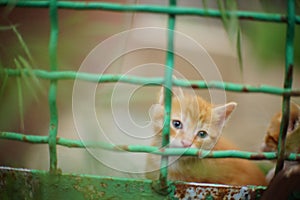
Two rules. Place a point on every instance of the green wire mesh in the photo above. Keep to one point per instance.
(161, 185)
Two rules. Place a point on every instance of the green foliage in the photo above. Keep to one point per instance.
(268, 41)
(25, 66)
(239, 49)
(231, 25)
(20, 103)
(3, 80)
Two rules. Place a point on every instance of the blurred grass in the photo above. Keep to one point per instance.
(232, 27)
(23, 100)
(25, 46)
(29, 83)
(268, 41)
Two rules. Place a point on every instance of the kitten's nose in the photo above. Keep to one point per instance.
(186, 143)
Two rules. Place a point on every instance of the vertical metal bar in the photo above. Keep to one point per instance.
(288, 80)
(53, 86)
(162, 185)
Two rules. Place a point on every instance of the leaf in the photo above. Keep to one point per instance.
(224, 16)
(27, 67)
(204, 3)
(20, 103)
(239, 49)
(6, 28)
(11, 4)
(4, 78)
(23, 44)
(31, 74)
(26, 79)
(231, 25)
(28, 64)
(298, 3)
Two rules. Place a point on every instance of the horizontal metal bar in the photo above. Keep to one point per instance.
(35, 139)
(105, 78)
(176, 10)
(38, 184)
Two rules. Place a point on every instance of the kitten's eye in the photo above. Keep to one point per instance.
(177, 124)
(202, 134)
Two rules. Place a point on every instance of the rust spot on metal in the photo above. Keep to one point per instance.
(289, 76)
(180, 191)
(25, 139)
(283, 18)
(163, 183)
(161, 186)
(121, 147)
(247, 17)
(211, 191)
(52, 126)
(290, 72)
(162, 149)
(256, 193)
(101, 194)
(167, 137)
(293, 93)
(72, 145)
(194, 86)
(245, 89)
(258, 157)
(104, 185)
(297, 158)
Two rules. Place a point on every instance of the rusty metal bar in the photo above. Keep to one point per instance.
(147, 8)
(108, 78)
(36, 139)
(36, 184)
(53, 126)
(162, 185)
(288, 80)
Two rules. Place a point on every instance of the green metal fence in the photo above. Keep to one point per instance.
(34, 184)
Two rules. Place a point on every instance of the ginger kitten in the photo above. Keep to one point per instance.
(195, 123)
(271, 139)
(292, 139)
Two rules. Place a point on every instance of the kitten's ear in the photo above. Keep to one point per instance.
(161, 96)
(156, 113)
(156, 110)
(293, 138)
(295, 106)
(294, 116)
(222, 113)
(295, 110)
(176, 91)
(293, 141)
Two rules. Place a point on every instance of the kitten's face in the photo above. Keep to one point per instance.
(194, 123)
(271, 139)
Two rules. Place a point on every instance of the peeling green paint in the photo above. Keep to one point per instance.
(35, 184)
